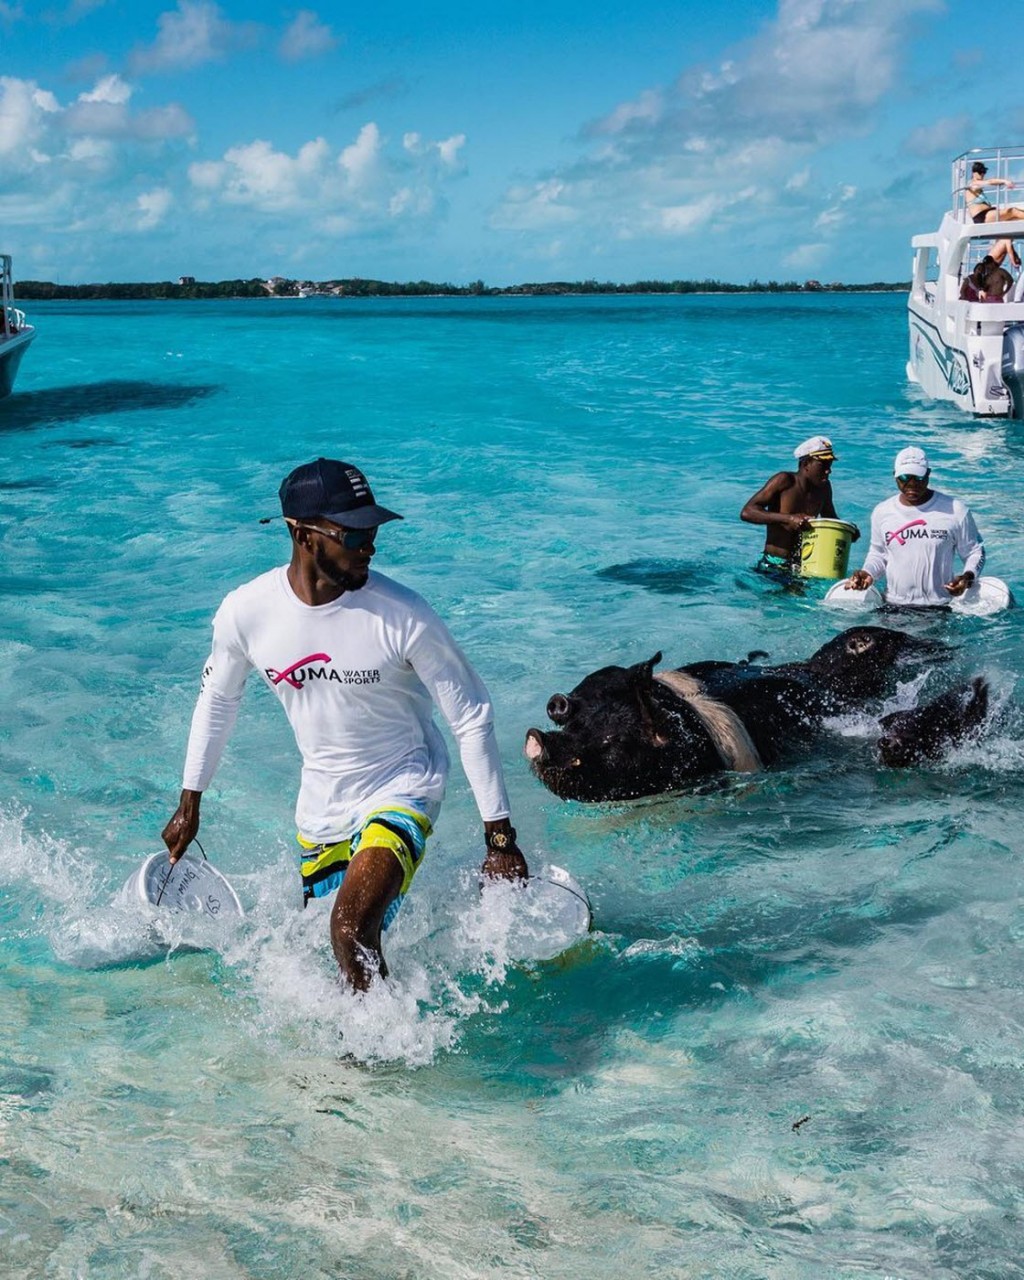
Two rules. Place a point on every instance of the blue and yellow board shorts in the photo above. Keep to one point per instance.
(403, 831)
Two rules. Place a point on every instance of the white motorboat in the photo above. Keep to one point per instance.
(15, 331)
(970, 352)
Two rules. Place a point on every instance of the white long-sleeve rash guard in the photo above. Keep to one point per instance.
(356, 678)
(913, 547)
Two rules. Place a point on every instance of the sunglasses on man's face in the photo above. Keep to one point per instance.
(350, 539)
(907, 479)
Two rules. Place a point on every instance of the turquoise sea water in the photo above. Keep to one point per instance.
(830, 940)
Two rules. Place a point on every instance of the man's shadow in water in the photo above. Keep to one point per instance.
(31, 410)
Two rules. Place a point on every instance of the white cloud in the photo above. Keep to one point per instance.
(835, 216)
(679, 219)
(108, 89)
(408, 202)
(728, 144)
(945, 137)
(207, 175)
(363, 186)
(806, 256)
(306, 37)
(194, 33)
(104, 113)
(25, 111)
(79, 9)
(359, 159)
(539, 206)
(153, 207)
(648, 107)
(80, 166)
(91, 153)
(449, 150)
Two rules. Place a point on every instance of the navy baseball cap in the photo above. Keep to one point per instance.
(335, 491)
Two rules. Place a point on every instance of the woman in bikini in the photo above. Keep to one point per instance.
(979, 209)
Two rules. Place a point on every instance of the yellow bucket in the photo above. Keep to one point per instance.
(825, 549)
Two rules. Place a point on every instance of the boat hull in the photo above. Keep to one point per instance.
(11, 352)
(940, 370)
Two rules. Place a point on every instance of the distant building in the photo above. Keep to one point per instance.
(186, 279)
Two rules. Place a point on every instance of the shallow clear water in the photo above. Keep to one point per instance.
(831, 940)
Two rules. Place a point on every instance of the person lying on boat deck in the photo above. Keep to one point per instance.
(788, 502)
(355, 659)
(979, 209)
(988, 282)
(914, 535)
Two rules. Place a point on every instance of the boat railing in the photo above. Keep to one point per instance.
(1004, 163)
(14, 320)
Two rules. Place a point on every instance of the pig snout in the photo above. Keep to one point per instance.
(559, 708)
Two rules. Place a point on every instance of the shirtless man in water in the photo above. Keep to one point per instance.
(788, 503)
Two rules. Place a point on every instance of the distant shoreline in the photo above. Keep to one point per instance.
(278, 287)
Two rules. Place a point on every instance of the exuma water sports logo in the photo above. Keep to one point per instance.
(914, 529)
(305, 671)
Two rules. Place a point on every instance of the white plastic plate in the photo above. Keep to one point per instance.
(840, 598)
(191, 884)
(982, 597)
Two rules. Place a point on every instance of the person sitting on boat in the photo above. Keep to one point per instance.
(914, 535)
(788, 502)
(1003, 249)
(979, 209)
(988, 282)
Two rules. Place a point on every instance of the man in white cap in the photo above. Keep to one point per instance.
(789, 502)
(914, 535)
(356, 661)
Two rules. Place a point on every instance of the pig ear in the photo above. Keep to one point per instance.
(649, 714)
(643, 672)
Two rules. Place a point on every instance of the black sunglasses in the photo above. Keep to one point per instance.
(350, 539)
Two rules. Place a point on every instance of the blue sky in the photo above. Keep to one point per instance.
(736, 139)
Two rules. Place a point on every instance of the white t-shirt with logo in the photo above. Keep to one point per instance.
(913, 547)
(357, 679)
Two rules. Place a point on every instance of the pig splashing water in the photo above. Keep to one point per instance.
(627, 732)
(928, 732)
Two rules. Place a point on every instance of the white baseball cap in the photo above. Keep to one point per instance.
(911, 462)
(816, 447)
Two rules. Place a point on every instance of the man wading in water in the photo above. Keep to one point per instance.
(356, 661)
(788, 503)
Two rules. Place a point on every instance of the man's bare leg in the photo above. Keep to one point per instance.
(372, 882)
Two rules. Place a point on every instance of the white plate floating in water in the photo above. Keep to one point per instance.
(840, 598)
(190, 884)
(982, 597)
(550, 913)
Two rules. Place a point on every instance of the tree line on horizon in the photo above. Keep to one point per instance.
(44, 290)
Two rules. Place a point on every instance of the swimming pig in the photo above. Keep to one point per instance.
(928, 732)
(626, 732)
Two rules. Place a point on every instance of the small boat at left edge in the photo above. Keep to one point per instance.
(15, 331)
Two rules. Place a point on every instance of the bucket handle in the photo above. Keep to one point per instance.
(195, 840)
